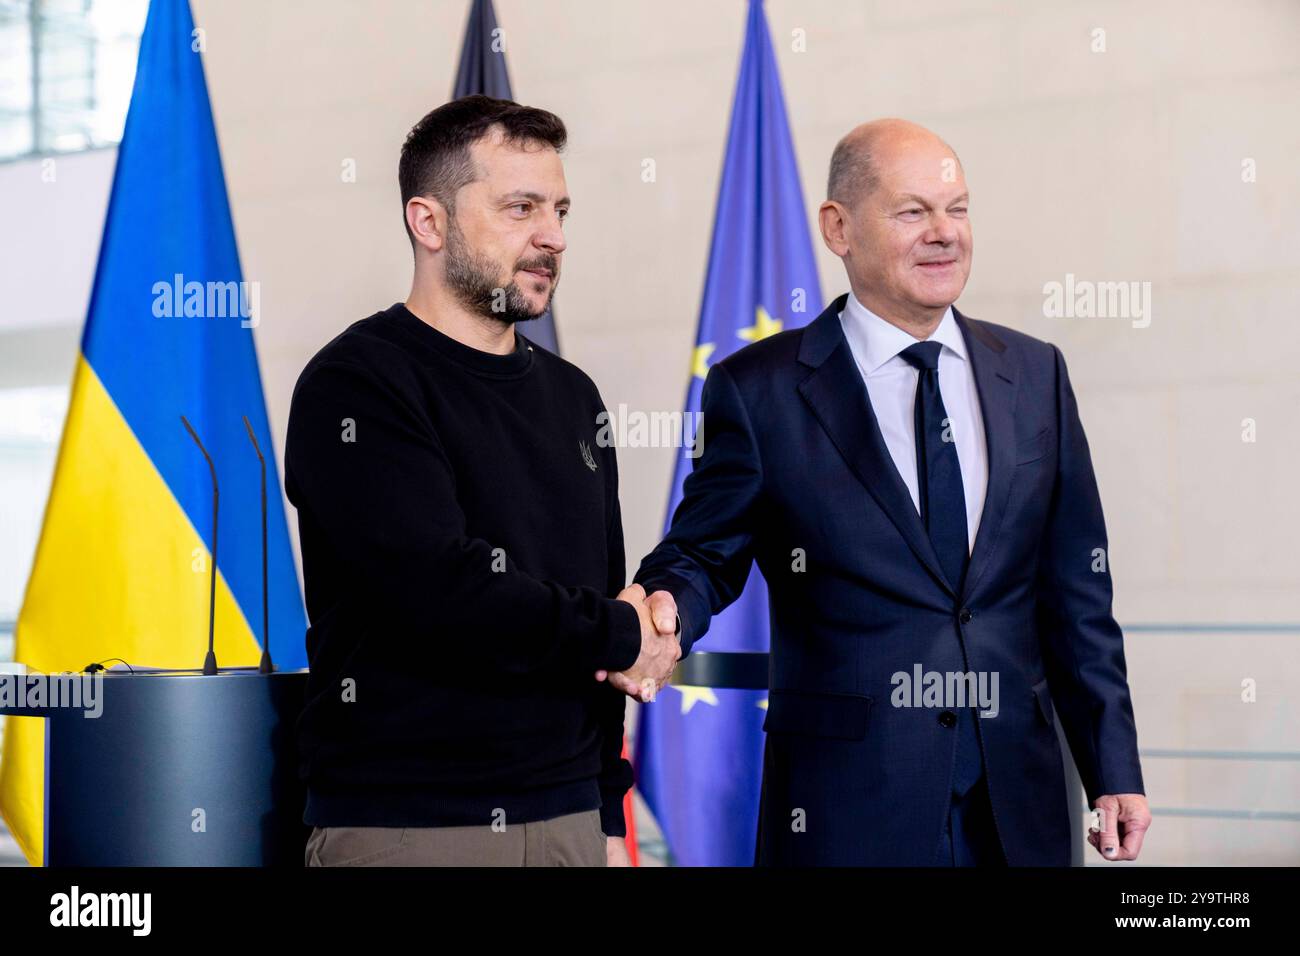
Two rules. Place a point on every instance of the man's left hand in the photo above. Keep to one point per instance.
(1125, 818)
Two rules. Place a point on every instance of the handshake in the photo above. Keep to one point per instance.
(660, 647)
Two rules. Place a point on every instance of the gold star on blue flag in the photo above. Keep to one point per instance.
(699, 767)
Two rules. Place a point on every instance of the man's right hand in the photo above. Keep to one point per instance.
(660, 647)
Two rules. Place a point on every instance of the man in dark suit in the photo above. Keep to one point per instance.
(917, 490)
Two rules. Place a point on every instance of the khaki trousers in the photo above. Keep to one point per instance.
(572, 840)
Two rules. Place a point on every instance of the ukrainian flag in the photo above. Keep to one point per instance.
(122, 567)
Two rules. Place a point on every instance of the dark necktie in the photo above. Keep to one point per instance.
(943, 512)
(938, 473)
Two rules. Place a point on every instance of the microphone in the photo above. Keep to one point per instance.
(209, 662)
(265, 667)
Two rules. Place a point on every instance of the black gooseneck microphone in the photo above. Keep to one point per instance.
(209, 662)
(265, 667)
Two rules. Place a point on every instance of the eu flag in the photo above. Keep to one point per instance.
(699, 749)
(122, 567)
(483, 70)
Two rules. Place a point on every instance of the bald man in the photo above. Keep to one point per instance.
(917, 490)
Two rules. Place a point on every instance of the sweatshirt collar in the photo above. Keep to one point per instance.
(488, 363)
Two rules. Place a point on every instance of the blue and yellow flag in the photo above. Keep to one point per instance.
(122, 567)
(699, 749)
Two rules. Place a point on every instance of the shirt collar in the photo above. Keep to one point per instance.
(876, 341)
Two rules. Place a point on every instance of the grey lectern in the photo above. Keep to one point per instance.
(179, 769)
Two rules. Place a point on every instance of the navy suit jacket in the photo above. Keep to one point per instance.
(794, 464)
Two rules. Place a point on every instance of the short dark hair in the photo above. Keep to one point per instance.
(436, 160)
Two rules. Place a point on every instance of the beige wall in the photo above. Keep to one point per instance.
(1123, 165)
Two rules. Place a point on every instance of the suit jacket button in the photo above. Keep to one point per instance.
(948, 718)
(965, 615)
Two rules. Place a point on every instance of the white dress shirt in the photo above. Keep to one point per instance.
(891, 384)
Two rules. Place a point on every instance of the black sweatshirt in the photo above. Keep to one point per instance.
(461, 545)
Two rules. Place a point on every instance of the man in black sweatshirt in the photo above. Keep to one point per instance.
(461, 539)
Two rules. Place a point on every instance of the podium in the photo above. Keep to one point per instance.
(179, 769)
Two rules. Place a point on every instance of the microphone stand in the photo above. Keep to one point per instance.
(265, 667)
(209, 662)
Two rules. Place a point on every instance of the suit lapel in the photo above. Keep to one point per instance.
(837, 395)
(997, 383)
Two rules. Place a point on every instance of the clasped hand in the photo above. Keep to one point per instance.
(660, 647)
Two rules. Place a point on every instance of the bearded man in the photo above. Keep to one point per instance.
(461, 538)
